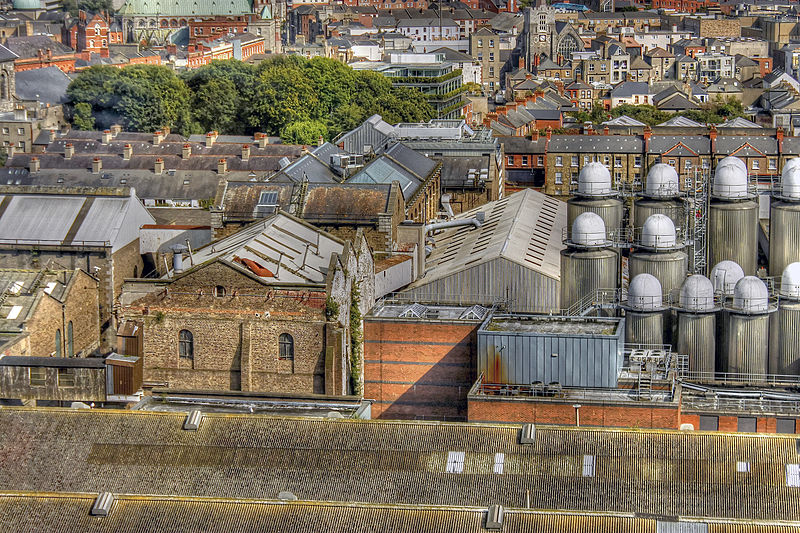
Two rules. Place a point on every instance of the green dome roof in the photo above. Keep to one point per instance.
(27, 4)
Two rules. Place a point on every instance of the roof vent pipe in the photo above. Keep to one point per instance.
(474, 222)
(177, 259)
(446, 204)
(102, 505)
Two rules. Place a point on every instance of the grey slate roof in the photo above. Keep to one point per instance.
(6, 54)
(626, 89)
(608, 144)
(681, 122)
(26, 47)
(697, 144)
(46, 85)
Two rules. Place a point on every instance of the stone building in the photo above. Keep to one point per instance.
(7, 79)
(544, 35)
(49, 313)
(266, 309)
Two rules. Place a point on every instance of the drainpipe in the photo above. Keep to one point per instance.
(577, 407)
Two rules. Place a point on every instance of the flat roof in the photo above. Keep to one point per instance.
(554, 325)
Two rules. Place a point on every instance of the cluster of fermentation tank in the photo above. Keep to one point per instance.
(729, 322)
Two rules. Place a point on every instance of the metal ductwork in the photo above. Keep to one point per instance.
(474, 222)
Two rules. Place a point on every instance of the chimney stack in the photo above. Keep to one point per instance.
(52, 135)
(647, 133)
(157, 138)
(69, 151)
(166, 130)
(106, 138)
(606, 130)
(549, 132)
(712, 134)
(115, 129)
(187, 151)
(222, 166)
(245, 152)
(97, 165)
(158, 168)
(262, 139)
(210, 138)
(34, 166)
(127, 152)
(20, 113)
(320, 141)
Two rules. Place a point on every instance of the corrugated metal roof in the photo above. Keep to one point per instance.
(659, 473)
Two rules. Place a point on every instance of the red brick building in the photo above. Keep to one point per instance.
(93, 34)
(231, 47)
(206, 30)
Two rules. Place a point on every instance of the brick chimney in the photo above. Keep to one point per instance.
(530, 99)
(588, 128)
(97, 165)
(186, 152)
(245, 152)
(69, 151)
(521, 63)
(779, 138)
(157, 138)
(320, 141)
(210, 138)
(127, 152)
(535, 135)
(34, 165)
(549, 132)
(165, 130)
(606, 131)
(222, 166)
(115, 129)
(52, 135)
(262, 139)
(647, 133)
(106, 137)
(158, 167)
(712, 134)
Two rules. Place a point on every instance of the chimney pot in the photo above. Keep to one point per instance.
(222, 166)
(157, 138)
(158, 168)
(245, 152)
(106, 137)
(69, 151)
(187, 151)
(127, 152)
(52, 135)
(34, 166)
(97, 165)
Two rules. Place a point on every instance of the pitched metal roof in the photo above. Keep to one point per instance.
(172, 8)
(681, 122)
(659, 473)
(623, 120)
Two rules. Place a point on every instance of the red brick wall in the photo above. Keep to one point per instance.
(419, 369)
(549, 412)
(766, 424)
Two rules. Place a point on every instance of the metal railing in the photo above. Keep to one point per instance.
(746, 405)
(739, 378)
(54, 242)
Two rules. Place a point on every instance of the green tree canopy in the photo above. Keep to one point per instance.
(82, 118)
(304, 132)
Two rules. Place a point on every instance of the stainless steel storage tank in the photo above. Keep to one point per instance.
(596, 194)
(644, 311)
(659, 251)
(784, 329)
(784, 220)
(696, 325)
(733, 219)
(747, 330)
(661, 195)
(724, 276)
(588, 262)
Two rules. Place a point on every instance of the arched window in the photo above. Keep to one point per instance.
(58, 343)
(219, 291)
(186, 344)
(567, 45)
(285, 347)
(70, 344)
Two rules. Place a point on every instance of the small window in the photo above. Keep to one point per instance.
(588, 466)
(773, 164)
(219, 291)
(510, 160)
(746, 424)
(66, 377)
(37, 376)
(524, 160)
(755, 164)
(637, 161)
(709, 423)
(186, 344)
(20, 131)
(743, 467)
(455, 462)
(58, 343)
(70, 341)
(559, 178)
(267, 204)
(286, 346)
(793, 475)
(574, 161)
(559, 161)
(785, 425)
(499, 461)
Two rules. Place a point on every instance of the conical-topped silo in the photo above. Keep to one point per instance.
(659, 251)
(596, 194)
(733, 217)
(588, 262)
(697, 324)
(644, 311)
(747, 330)
(661, 195)
(784, 220)
(784, 331)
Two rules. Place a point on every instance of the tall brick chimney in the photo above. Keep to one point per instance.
(606, 130)
(158, 167)
(34, 165)
(647, 133)
(106, 137)
(97, 165)
(779, 137)
(69, 151)
(549, 132)
(712, 134)
(210, 138)
(157, 137)
(187, 151)
(127, 152)
(222, 166)
(245, 152)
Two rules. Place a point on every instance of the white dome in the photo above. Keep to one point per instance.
(730, 181)
(790, 181)
(644, 293)
(658, 232)
(589, 229)
(790, 164)
(594, 180)
(732, 160)
(697, 294)
(790, 281)
(662, 181)
(725, 275)
(751, 294)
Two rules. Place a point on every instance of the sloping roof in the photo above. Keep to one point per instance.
(46, 85)
(739, 122)
(398, 163)
(6, 54)
(171, 8)
(659, 473)
(26, 47)
(626, 89)
(510, 231)
(291, 250)
(681, 122)
(623, 120)
(21, 291)
(88, 219)
(611, 144)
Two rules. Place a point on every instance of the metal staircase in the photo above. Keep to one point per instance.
(697, 220)
(645, 383)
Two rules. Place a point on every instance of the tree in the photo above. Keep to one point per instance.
(216, 106)
(304, 132)
(597, 115)
(648, 114)
(82, 118)
(720, 110)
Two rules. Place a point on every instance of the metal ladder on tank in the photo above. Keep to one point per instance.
(699, 224)
(645, 382)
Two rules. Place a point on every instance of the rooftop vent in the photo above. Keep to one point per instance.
(102, 505)
(287, 496)
(494, 517)
(192, 422)
(528, 435)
